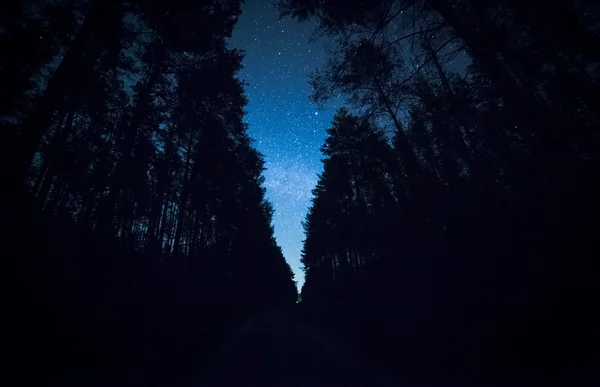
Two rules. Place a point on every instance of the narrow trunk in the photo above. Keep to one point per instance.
(184, 197)
(542, 137)
(130, 134)
(42, 172)
(413, 168)
(53, 153)
(71, 75)
(163, 223)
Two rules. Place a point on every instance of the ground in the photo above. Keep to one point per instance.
(274, 349)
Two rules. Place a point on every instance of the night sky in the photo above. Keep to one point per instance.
(287, 128)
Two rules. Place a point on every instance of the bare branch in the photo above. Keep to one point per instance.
(413, 34)
(453, 54)
(388, 21)
(426, 61)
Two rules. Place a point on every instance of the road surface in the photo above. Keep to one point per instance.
(274, 349)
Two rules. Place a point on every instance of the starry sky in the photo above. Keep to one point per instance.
(287, 128)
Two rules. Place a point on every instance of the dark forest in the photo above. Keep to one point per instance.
(453, 236)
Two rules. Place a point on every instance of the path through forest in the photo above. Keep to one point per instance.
(275, 349)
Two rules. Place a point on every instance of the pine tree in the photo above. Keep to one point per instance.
(348, 226)
(482, 156)
(138, 136)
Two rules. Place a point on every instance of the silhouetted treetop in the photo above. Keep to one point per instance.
(126, 118)
(460, 189)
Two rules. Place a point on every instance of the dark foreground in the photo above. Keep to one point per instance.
(77, 314)
(280, 346)
(295, 346)
(276, 349)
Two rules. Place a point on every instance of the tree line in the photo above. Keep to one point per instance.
(458, 203)
(125, 117)
(129, 178)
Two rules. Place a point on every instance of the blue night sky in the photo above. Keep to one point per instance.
(287, 128)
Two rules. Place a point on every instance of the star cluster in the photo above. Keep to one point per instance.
(287, 128)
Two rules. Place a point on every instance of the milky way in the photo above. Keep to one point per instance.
(287, 128)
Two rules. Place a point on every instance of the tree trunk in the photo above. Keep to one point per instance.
(54, 150)
(130, 133)
(71, 75)
(184, 196)
(409, 159)
(42, 172)
(540, 134)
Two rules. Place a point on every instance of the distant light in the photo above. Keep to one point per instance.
(316, 113)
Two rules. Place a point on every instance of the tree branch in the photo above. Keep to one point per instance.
(386, 22)
(426, 61)
(413, 34)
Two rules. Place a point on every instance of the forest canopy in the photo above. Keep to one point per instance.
(126, 118)
(463, 184)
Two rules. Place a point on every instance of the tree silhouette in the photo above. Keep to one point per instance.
(128, 166)
(480, 229)
(452, 231)
(149, 145)
(346, 228)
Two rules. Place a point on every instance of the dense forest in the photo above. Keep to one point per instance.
(452, 236)
(456, 219)
(132, 197)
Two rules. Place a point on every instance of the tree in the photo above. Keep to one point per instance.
(347, 227)
(484, 154)
(129, 174)
(138, 136)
